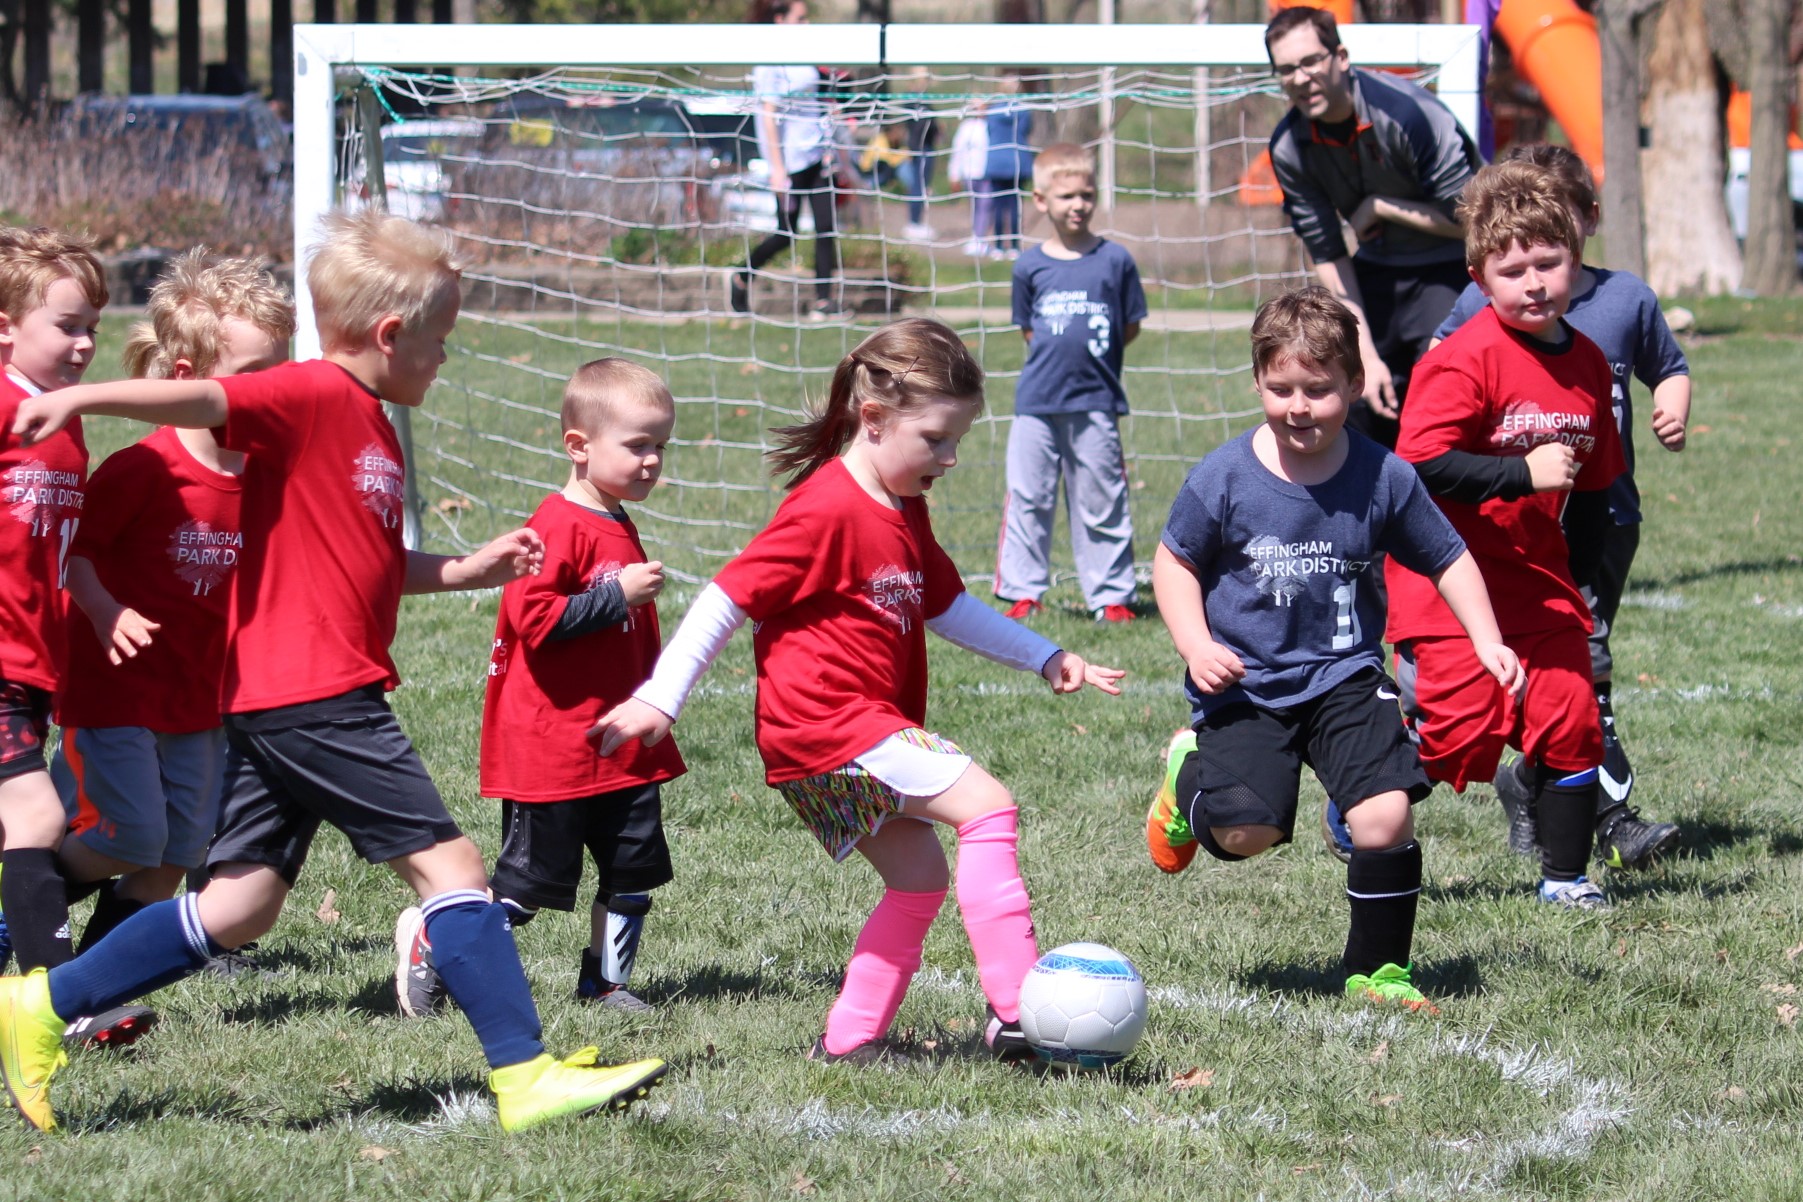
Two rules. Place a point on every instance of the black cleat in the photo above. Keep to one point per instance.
(1518, 806)
(119, 1027)
(1625, 840)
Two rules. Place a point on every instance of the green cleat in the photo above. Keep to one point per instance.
(544, 1089)
(1390, 984)
(1168, 836)
(31, 1046)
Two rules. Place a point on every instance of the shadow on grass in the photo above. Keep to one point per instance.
(713, 983)
(1758, 567)
(1454, 976)
(277, 1008)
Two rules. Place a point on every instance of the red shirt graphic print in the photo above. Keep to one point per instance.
(42, 494)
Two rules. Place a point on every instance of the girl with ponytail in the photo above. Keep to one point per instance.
(842, 586)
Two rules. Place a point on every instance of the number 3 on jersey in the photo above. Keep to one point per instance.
(1100, 327)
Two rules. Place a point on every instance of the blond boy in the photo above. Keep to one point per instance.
(1078, 302)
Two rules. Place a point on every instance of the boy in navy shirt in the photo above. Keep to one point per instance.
(1078, 302)
(1264, 577)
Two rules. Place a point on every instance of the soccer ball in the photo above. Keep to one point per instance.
(1083, 1006)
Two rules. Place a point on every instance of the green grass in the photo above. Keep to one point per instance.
(1643, 1053)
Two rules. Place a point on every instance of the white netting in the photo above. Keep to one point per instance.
(603, 211)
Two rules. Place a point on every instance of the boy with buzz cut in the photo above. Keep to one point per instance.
(1263, 577)
(571, 643)
(1510, 426)
(142, 752)
(310, 737)
(52, 289)
(1078, 303)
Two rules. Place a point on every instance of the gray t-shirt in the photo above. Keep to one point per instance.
(803, 123)
(1287, 572)
(1077, 310)
(1621, 315)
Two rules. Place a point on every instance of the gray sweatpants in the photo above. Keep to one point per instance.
(1085, 449)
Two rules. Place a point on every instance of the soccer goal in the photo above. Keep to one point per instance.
(603, 182)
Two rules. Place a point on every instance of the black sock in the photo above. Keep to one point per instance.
(1383, 889)
(1565, 804)
(35, 899)
(109, 911)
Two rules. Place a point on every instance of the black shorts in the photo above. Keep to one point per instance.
(1404, 305)
(24, 725)
(341, 760)
(540, 863)
(1247, 766)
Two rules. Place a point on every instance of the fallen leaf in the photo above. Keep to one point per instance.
(953, 1176)
(36, 1154)
(1734, 1093)
(1304, 1168)
(1784, 990)
(327, 912)
(1791, 953)
(1195, 1078)
(375, 1153)
(803, 1184)
(1379, 1052)
(749, 369)
(710, 1051)
(343, 1082)
(453, 504)
(1080, 728)
(1389, 1099)
(1700, 430)
(1621, 947)
(522, 357)
(929, 1045)
(741, 411)
(1721, 955)
(1138, 484)
(1787, 1014)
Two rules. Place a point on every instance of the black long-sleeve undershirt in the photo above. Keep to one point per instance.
(597, 609)
(1473, 479)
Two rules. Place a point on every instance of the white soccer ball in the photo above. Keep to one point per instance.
(1083, 1005)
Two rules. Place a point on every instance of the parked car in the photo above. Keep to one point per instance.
(243, 124)
(420, 160)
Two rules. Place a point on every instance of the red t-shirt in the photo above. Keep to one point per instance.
(162, 533)
(1488, 390)
(41, 490)
(319, 586)
(840, 587)
(543, 696)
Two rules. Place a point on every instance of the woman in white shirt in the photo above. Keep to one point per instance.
(794, 128)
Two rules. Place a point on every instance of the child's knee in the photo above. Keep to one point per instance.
(1241, 842)
(1381, 822)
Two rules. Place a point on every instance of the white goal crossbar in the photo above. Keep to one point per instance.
(1450, 52)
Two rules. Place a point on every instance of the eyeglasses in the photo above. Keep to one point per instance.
(1303, 66)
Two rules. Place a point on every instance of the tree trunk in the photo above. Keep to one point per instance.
(1771, 252)
(1689, 246)
(1618, 26)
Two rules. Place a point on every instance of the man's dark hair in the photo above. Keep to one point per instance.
(1290, 19)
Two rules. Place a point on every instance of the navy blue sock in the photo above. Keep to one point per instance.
(157, 946)
(473, 950)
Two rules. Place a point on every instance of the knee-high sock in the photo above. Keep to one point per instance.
(35, 899)
(997, 914)
(884, 961)
(1565, 805)
(473, 950)
(1383, 889)
(157, 946)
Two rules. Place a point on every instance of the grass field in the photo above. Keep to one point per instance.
(1647, 1052)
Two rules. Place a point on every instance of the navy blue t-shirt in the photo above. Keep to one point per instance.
(1077, 310)
(1621, 315)
(1286, 570)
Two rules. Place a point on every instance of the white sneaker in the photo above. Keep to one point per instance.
(975, 249)
(917, 231)
(1581, 894)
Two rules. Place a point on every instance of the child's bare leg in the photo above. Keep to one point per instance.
(241, 903)
(1241, 842)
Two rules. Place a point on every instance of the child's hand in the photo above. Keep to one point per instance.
(517, 553)
(641, 582)
(1067, 673)
(1553, 467)
(629, 720)
(1670, 429)
(1215, 668)
(39, 417)
(127, 633)
(1502, 663)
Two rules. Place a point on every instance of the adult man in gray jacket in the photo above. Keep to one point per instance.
(1391, 160)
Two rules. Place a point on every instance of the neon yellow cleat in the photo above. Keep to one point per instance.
(1168, 836)
(31, 1046)
(544, 1089)
(1390, 984)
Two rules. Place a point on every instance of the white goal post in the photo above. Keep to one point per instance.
(1450, 51)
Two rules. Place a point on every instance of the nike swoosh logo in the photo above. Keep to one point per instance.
(1387, 695)
(1617, 790)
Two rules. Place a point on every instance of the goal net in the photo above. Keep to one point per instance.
(603, 204)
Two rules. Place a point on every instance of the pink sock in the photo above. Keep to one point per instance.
(997, 914)
(882, 964)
